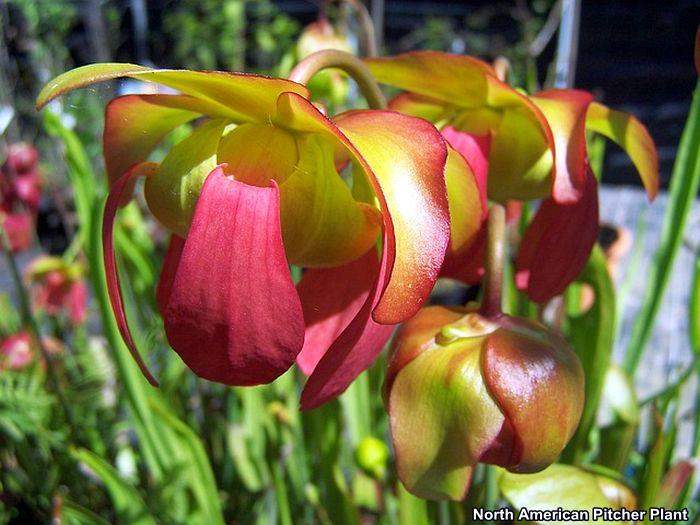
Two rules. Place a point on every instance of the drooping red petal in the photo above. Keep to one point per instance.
(167, 273)
(557, 244)
(351, 353)
(233, 314)
(331, 298)
(565, 110)
(117, 194)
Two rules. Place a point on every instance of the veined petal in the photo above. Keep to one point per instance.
(331, 298)
(240, 97)
(415, 180)
(631, 135)
(419, 106)
(352, 352)
(233, 314)
(566, 113)
(557, 244)
(322, 223)
(135, 124)
(120, 189)
(407, 156)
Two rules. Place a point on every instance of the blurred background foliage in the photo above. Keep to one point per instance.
(83, 438)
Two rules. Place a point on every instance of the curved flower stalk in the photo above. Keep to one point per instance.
(479, 386)
(318, 36)
(20, 193)
(521, 148)
(58, 288)
(256, 187)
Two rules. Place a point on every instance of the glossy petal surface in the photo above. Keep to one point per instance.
(233, 313)
(413, 183)
(556, 245)
(631, 135)
(537, 381)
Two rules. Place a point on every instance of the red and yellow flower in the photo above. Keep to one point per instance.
(58, 288)
(520, 148)
(258, 186)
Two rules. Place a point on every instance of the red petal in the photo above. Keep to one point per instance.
(167, 273)
(121, 189)
(331, 298)
(233, 313)
(352, 353)
(565, 110)
(557, 244)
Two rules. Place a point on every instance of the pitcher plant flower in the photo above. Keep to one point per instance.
(58, 288)
(520, 148)
(20, 193)
(258, 186)
(478, 386)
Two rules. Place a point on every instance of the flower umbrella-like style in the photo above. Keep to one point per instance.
(522, 148)
(257, 187)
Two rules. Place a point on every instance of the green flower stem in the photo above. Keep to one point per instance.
(33, 326)
(495, 255)
(350, 64)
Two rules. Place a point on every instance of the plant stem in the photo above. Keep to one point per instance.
(353, 66)
(369, 38)
(495, 255)
(31, 321)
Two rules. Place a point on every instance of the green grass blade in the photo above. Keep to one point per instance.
(682, 192)
(127, 502)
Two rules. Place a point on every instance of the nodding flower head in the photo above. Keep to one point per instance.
(499, 389)
(263, 181)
